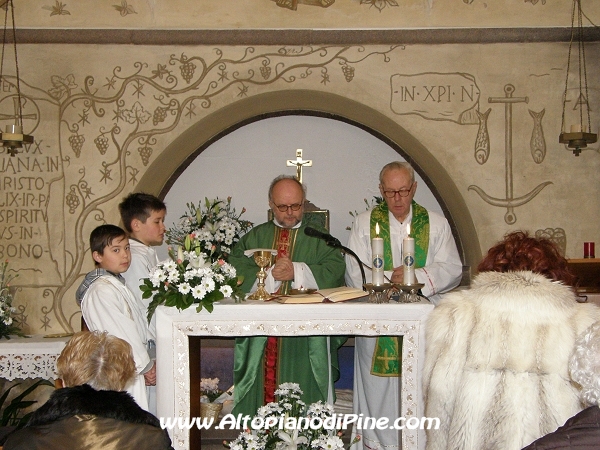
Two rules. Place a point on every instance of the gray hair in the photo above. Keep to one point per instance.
(285, 177)
(584, 364)
(397, 165)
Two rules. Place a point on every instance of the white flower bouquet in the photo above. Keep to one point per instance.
(7, 325)
(209, 388)
(190, 277)
(215, 225)
(295, 425)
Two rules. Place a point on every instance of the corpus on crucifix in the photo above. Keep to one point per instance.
(299, 163)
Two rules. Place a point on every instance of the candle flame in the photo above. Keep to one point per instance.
(408, 229)
(377, 229)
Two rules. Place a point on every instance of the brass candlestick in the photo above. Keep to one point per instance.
(263, 259)
(410, 292)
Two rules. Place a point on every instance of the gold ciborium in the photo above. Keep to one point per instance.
(262, 258)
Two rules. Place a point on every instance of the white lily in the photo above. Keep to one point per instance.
(197, 261)
(292, 442)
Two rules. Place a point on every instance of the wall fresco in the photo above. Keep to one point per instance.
(538, 151)
(53, 193)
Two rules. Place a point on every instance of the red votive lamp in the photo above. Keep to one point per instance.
(589, 250)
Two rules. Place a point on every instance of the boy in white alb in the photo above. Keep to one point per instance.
(107, 304)
(143, 216)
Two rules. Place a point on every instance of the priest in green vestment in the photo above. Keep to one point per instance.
(262, 363)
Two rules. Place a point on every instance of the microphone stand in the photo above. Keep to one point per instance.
(360, 264)
(335, 243)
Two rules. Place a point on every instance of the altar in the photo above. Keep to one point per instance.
(178, 354)
(30, 357)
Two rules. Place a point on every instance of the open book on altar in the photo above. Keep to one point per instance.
(339, 294)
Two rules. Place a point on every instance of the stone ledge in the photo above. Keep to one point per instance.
(299, 36)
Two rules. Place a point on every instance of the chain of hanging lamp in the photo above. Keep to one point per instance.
(13, 138)
(9, 5)
(577, 139)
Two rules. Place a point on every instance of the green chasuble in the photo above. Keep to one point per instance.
(301, 360)
(386, 356)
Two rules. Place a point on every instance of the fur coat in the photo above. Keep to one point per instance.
(496, 362)
(82, 418)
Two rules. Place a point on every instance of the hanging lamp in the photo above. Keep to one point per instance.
(13, 137)
(579, 135)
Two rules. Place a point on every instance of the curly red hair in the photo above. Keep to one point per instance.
(519, 251)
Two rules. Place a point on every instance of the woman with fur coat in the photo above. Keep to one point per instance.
(496, 364)
(91, 412)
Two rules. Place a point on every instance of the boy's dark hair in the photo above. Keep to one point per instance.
(139, 206)
(102, 236)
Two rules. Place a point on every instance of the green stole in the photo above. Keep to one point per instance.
(284, 242)
(386, 356)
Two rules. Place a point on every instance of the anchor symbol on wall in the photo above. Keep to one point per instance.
(537, 147)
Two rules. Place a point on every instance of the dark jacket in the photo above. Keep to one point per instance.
(581, 432)
(82, 418)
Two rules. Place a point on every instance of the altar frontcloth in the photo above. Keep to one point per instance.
(256, 318)
(30, 357)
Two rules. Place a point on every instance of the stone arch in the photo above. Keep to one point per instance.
(163, 172)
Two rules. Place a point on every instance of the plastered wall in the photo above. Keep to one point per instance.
(112, 118)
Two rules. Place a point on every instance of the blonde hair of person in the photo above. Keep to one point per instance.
(584, 364)
(103, 361)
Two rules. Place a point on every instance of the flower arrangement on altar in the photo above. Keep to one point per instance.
(293, 425)
(198, 271)
(190, 278)
(7, 325)
(209, 389)
(216, 226)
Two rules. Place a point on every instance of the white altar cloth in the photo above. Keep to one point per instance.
(255, 318)
(32, 357)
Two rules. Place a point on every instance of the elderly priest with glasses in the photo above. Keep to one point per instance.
(438, 268)
(262, 363)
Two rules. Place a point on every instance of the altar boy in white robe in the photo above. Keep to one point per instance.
(438, 267)
(107, 304)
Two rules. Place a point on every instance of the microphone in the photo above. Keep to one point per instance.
(335, 243)
(329, 239)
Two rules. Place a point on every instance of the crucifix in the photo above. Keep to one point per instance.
(299, 163)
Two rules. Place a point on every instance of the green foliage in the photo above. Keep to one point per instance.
(12, 414)
(375, 201)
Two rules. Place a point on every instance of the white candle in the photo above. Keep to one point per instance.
(576, 128)
(408, 258)
(377, 262)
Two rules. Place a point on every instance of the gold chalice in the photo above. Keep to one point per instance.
(262, 258)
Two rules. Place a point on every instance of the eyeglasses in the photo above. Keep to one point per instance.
(284, 208)
(401, 192)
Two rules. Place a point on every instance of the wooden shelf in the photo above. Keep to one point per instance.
(588, 273)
